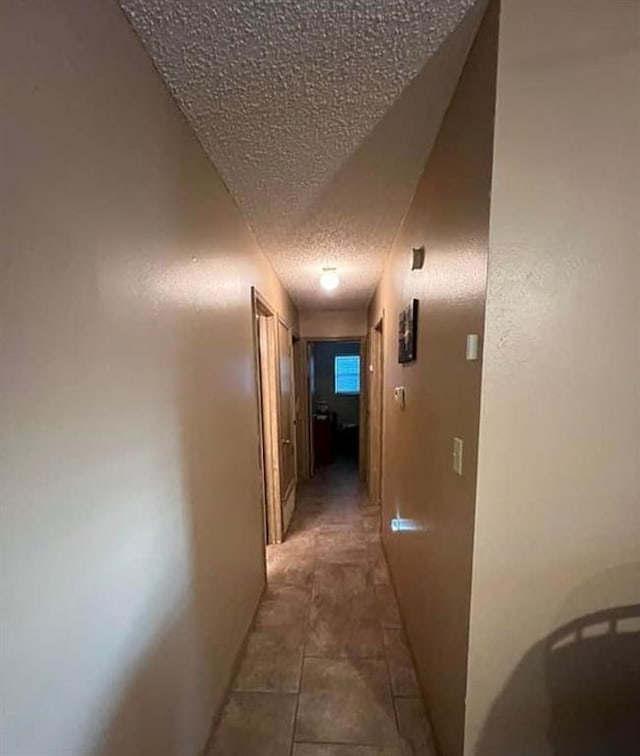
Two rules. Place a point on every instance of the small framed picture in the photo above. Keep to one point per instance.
(408, 332)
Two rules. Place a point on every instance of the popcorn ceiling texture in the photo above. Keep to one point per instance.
(319, 115)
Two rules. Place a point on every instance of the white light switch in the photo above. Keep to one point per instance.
(398, 395)
(473, 346)
(457, 455)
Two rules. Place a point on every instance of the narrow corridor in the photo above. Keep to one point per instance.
(326, 670)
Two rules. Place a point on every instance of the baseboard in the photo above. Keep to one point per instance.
(215, 720)
(423, 694)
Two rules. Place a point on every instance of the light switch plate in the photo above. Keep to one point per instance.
(457, 455)
(398, 395)
(473, 347)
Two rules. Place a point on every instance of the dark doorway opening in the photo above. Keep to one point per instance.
(335, 389)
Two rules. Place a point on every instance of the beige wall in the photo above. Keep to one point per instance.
(431, 563)
(131, 536)
(558, 509)
(332, 324)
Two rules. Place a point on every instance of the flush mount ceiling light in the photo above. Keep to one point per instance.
(329, 279)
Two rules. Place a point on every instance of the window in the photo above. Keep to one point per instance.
(346, 370)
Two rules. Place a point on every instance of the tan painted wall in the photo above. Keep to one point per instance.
(558, 508)
(332, 324)
(431, 564)
(131, 535)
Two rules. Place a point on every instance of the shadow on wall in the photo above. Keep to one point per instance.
(141, 480)
(180, 675)
(576, 693)
(180, 678)
(151, 714)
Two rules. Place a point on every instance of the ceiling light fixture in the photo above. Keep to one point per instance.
(329, 279)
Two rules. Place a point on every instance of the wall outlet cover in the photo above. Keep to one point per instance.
(458, 445)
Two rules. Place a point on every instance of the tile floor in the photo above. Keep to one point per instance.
(326, 670)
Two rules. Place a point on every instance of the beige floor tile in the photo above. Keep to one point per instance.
(371, 522)
(345, 630)
(292, 566)
(327, 749)
(378, 562)
(387, 606)
(341, 581)
(284, 604)
(343, 620)
(345, 701)
(346, 551)
(414, 727)
(401, 669)
(272, 661)
(255, 724)
(329, 599)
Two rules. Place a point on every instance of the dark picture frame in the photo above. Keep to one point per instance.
(408, 332)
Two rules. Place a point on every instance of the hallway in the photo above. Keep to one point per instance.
(326, 670)
(239, 239)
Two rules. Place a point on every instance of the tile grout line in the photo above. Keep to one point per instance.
(307, 578)
(304, 642)
(229, 690)
(386, 659)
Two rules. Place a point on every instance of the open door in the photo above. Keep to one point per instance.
(276, 414)
(374, 403)
(265, 336)
(287, 423)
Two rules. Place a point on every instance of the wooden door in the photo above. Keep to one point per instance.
(286, 418)
(267, 386)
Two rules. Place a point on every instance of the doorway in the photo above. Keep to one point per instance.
(286, 423)
(375, 412)
(334, 381)
(276, 414)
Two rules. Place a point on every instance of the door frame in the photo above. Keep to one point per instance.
(301, 378)
(267, 394)
(375, 411)
(363, 439)
(287, 497)
(306, 405)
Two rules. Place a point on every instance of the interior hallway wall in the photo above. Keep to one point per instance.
(431, 560)
(332, 324)
(132, 538)
(558, 505)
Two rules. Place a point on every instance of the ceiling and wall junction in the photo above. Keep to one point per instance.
(319, 117)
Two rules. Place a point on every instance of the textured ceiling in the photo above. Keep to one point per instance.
(319, 115)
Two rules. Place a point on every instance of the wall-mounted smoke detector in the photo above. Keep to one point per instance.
(329, 279)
